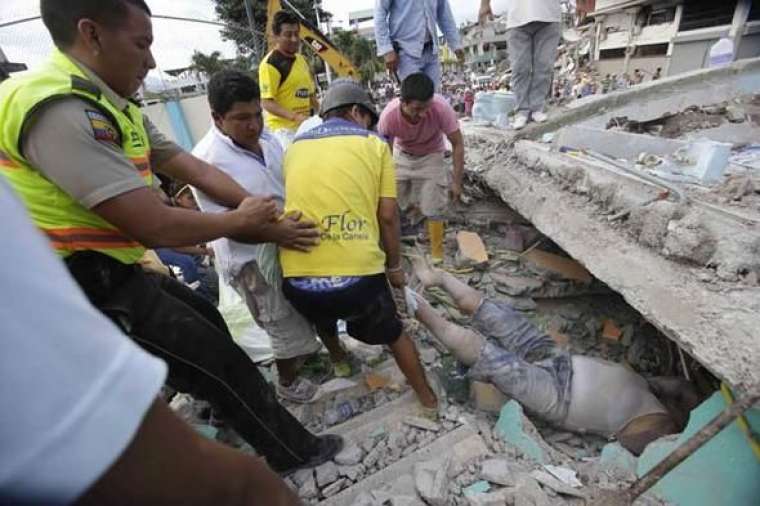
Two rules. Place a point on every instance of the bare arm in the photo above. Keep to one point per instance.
(168, 463)
(291, 232)
(213, 182)
(142, 216)
(457, 150)
(272, 107)
(192, 250)
(390, 237)
(485, 12)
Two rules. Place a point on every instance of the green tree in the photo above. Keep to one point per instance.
(209, 64)
(361, 52)
(233, 13)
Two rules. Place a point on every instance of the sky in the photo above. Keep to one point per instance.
(175, 41)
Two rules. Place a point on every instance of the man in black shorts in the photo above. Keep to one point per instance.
(341, 176)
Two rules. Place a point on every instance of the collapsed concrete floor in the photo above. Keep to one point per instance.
(660, 277)
(685, 255)
(483, 449)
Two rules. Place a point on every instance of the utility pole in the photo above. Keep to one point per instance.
(252, 25)
(317, 5)
(7, 67)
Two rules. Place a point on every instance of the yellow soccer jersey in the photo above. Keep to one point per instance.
(336, 174)
(288, 82)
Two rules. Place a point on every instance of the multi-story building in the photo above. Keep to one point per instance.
(484, 46)
(674, 35)
(363, 23)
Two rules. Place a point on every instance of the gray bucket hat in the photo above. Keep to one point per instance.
(347, 92)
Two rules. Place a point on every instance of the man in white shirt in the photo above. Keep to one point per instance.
(532, 39)
(82, 420)
(238, 145)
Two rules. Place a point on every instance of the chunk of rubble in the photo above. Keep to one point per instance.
(350, 455)
(617, 462)
(562, 266)
(301, 476)
(527, 492)
(308, 489)
(553, 483)
(565, 475)
(472, 250)
(515, 285)
(519, 432)
(422, 423)
(334, 487)
(497, 471)
(477, 488)
(498, 498)
(326, 474)
(376, 381)
(431, 481)
(352, 473)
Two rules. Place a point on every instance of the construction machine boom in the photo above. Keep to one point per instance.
(317, 41)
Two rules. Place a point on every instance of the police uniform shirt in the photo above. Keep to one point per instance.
(75, 146)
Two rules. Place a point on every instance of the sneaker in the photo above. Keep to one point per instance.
(539, 117)
(520, 121)
(301, 390)
(328, 446)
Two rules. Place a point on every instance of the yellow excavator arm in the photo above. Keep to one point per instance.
(316, 40)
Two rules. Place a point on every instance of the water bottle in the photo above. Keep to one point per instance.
(341, 412)
(722, 53)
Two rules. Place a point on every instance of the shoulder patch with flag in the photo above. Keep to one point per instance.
(102, 128)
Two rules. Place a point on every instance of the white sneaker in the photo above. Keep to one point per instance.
(411, 300)
(520, 121)
(301, 390)
(539, 116)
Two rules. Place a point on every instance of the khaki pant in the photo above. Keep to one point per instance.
(423, 185)
(291, 334)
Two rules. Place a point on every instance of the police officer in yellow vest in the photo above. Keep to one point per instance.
(81, 156)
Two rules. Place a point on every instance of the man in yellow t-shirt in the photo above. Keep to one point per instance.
(288, 93)
(341, 176)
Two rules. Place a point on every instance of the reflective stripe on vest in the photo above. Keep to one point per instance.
(70, 226)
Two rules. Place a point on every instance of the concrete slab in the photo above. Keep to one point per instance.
(615, 143)
(724, 471)
(717, 324)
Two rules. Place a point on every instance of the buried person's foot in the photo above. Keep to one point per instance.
(428, 276)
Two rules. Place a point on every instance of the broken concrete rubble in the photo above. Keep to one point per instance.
(498, 471)
(431, 481)
(518, 431)
(326, 474)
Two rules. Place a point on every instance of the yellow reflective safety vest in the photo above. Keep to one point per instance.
(70, 226)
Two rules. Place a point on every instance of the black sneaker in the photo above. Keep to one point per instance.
(328, 446)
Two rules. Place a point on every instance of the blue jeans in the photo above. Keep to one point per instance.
(428, 63)
(522, 361)
(187, 263)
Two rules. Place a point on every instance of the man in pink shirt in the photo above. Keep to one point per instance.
(415, 125)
